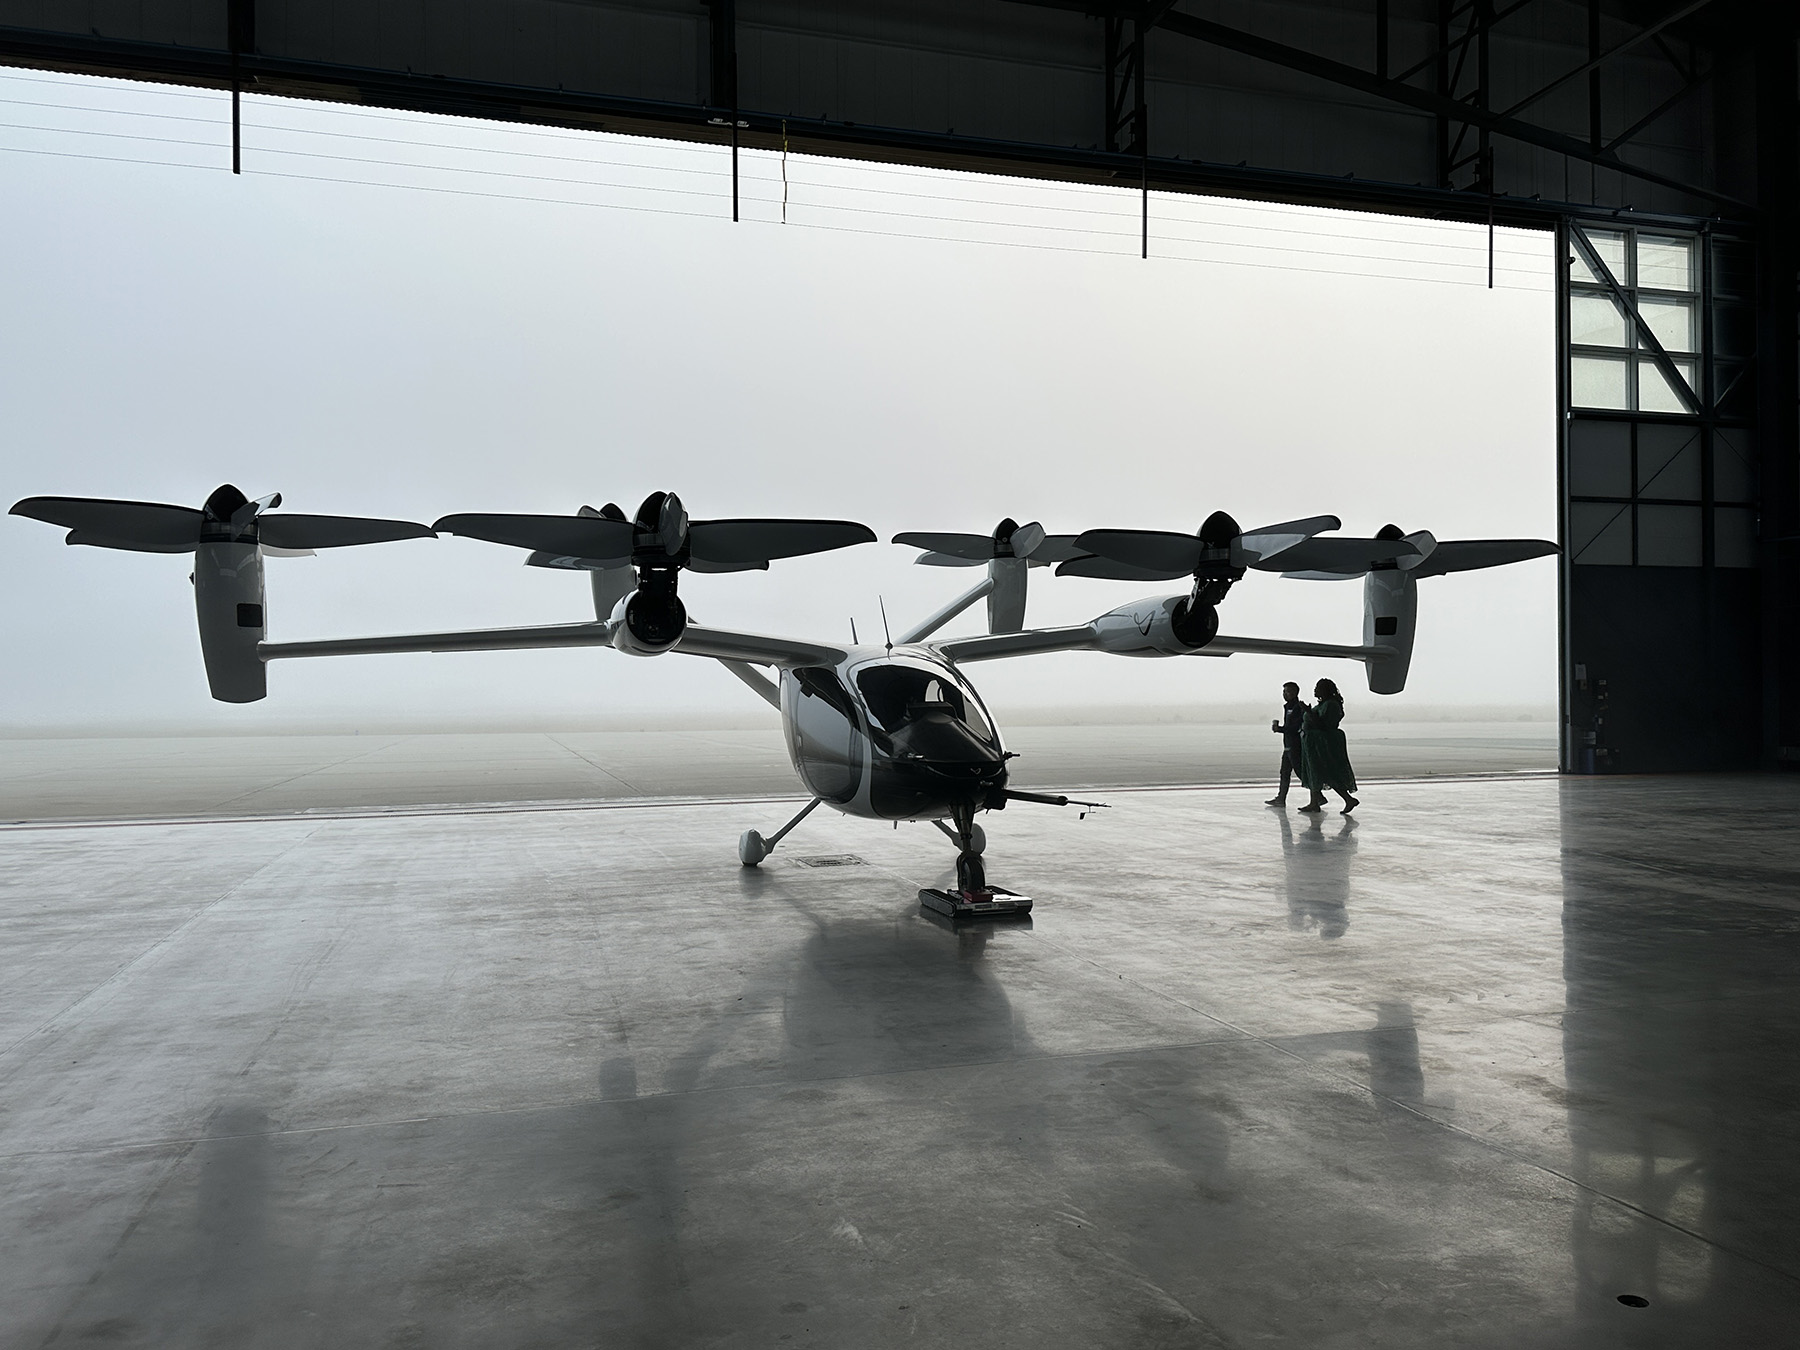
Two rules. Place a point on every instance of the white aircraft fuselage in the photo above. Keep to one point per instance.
(894, 734)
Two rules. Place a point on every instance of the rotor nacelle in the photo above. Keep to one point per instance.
(650, 620)
(1169, 625)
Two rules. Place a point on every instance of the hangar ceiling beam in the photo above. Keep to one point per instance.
(1443, 105)
(1455, 44)
(1595, 63)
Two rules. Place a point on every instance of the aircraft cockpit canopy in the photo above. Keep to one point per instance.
(903, 698)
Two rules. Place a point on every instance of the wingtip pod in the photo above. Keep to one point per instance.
(228, 537)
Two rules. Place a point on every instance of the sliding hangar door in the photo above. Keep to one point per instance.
(1657, 140)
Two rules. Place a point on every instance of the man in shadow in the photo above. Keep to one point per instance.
(1288, 728)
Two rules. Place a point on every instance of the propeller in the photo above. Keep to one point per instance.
(227, 517)
(1468, 555)
(1162, 555)
(1342, 559)
(1009, 540)
(661, 537)
(574, 562)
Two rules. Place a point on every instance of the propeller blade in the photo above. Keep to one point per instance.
(672, 524)
(1156, 551)
(741, 543)
(135, 546)
(974, 548)
(1109, 570)
(1346, 557)
(700, 565)
(1467, 555)
(1026, 539)
(562, 562)
(592, 538)
(1057, 548)
(310, 532)
(1268, 540)
(245, 516)
(146, 527)
(945, 560)
(1426, 542)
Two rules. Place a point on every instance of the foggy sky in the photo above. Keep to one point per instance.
(369, 350)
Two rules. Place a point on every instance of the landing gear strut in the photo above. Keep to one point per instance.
(753, 848)
(973, 897)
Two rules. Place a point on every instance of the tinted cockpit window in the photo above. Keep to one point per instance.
(900, 695)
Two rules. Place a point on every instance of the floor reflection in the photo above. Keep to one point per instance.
(1680, 1072)
(1317, 867)
(212, 1260)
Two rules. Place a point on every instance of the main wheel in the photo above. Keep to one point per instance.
(751, 848)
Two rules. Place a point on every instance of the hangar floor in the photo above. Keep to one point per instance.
(1459, 1072)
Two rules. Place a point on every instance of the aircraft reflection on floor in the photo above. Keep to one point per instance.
(1318, 874)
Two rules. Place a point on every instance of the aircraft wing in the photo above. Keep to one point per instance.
(1085, 637)
(714, 642)
(756, 648)
(475, 640)
(993, 646)
(1226, 646)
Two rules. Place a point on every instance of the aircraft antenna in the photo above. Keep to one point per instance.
(854, 641)
(884, 625)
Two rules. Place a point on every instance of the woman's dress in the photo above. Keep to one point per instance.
(1324, 756)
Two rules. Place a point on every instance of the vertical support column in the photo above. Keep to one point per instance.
(1778, 379)
(1593, 81)
(1381, 38)
(1125, 88)
(1109, 114)
(240, 41)
(1140, 122)
(1566, 753)
(722, 91)
(1484, 20)
(1443, 90)
(1593, 27)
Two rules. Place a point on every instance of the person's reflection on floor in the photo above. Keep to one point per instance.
(1318, 874)
(1395, 1073)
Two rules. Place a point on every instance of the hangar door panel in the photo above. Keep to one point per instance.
(648, 51)
(179, 23)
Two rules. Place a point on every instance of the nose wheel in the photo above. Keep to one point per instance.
(973, 897)
(753, 847)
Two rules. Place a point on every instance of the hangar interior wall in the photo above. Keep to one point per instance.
(1644, 133)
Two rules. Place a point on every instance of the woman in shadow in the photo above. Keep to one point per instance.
(1324, 758)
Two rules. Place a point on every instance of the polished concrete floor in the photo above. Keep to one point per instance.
(1461, 1071)
(97, 777)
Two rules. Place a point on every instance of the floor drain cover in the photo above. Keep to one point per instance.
(1634, 1300)
(831, 860)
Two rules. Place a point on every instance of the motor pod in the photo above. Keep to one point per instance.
(1170, 625)
(652, 618)
(228, 599)
(1390, 617)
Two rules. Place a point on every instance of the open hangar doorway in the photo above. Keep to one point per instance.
(1650, 141)
(920, 348)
